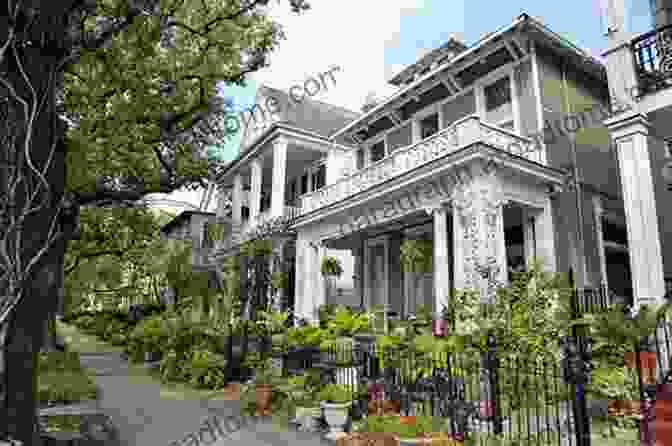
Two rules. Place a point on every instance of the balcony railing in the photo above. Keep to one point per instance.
(462, 133)
(653, 59)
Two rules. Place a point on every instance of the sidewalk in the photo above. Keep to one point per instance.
(148, 413)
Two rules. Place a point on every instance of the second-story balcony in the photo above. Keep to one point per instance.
(461, 134)
(653, 60)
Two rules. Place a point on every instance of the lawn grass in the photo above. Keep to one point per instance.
(137, 373)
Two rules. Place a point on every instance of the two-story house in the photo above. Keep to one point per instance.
(285, 154)
(470, 155)
(640, 75)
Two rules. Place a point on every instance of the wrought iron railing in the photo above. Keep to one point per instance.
(653, 59)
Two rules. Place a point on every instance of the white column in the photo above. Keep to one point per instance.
(539, 110)
(255, 198)
(302, 290)
(279, 171)
(357, 278)
(599, 212)
(515, 103)
(320, 288)
(529, 251)
(544, 229)
(441, 272)
(458, 248)
(630, 134)
(237, 199)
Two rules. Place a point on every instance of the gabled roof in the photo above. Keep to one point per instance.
(310, 114)
(523, 23)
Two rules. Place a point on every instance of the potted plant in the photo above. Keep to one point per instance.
(335, 400)
(263, 380)
(623, 328)
(302, 391)
(409, 431)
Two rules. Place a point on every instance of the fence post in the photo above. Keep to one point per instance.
(576, 370)
(492, 366)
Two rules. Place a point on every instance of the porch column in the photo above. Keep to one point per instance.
(630, 134)
(302, 287)
(276, 267)
(357, 277)
(255, 198)
(237, 199)
(279, 169)
(441, 266)
(320, 288)
(544, 229)
(480, 256)
(529, 236)
(599, 212)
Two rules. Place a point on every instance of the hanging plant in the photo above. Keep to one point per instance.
(416, 255)
(331, 266)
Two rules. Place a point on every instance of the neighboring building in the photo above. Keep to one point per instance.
(459, 156)
(640, 76)
(192, 226)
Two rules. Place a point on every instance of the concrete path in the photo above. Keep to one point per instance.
(145, 417)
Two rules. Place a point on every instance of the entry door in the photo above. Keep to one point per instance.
(376, 258)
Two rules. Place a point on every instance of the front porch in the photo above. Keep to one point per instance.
(483, 214)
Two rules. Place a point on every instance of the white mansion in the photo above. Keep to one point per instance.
(474, 154)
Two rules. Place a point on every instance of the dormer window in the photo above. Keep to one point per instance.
(497, 94)
(429, 125)
(498, 103)
(377, 151)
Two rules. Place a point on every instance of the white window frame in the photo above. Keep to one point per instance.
(431, 109)
(372, 142)
(491, 79)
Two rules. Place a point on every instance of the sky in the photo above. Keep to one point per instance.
(372, 40)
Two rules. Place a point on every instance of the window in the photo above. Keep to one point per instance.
(668, 148)
(245, 212)
(292, 190)
(497, 94)
(429, 126)
(320, 177)
(377, 151)
(304, 184)
(360, 159)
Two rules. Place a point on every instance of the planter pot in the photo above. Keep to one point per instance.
(411, 419)
(336, 415)
(368, 439)
(308, 418)
(384, 407)
(152, 356)
(264, 399)
(647, 360)
(624, 407)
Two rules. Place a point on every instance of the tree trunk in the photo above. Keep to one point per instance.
(26, 323)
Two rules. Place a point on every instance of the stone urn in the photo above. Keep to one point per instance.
(336, 415)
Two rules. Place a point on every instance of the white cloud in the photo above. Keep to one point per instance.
(351, 34)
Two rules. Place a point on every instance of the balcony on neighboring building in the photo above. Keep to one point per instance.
(463, 133)
(652, 53)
